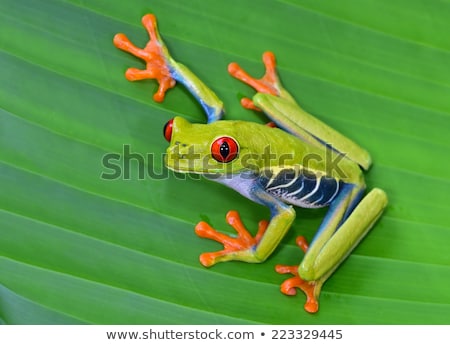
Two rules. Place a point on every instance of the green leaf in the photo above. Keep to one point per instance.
(79, 248)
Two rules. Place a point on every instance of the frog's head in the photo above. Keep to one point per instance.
(215, 148)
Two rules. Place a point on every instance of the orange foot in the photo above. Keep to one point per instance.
(310, 288)
(154, 54)
(269, 83)
(232, 245)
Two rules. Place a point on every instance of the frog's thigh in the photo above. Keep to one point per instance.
(348, 235)
(286, 113)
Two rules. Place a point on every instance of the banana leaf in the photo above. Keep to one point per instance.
(80, 245)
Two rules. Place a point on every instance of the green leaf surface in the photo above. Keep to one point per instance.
(78, 248)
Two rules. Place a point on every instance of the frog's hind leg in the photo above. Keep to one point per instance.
(268, 84)
(349, 221)
(310, 289)
(345, 225)
(278, 104)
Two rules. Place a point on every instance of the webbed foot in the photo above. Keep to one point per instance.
(155, 55)
(268, 84)
(310, 288)
(235, 248)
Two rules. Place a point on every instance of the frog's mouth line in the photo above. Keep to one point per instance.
(218, 174)
(180, 170)
(186, 164)
(198, 172)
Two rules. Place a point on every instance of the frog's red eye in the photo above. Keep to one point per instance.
(224, 149)
(167, 131)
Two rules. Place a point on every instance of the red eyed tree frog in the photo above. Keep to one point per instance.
(276, 167)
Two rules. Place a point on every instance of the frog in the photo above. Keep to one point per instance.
(281, 165)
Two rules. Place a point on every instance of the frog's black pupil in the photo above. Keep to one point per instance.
(224, 150)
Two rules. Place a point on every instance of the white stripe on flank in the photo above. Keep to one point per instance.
(274, 176)
(288, 195)
(316, 188)
(282, 185)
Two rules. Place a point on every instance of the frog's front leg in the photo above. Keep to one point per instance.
(162, 67)
(232, 245)
(244, 247)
